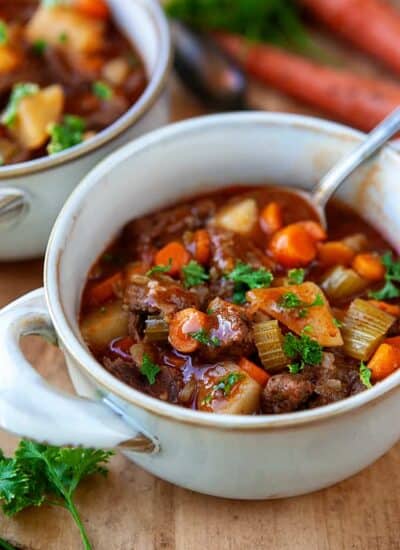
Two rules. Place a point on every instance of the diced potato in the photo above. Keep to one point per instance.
(9, 59)
(242, 396)
(66, 28)
(357, 242)
(105, 324)
(116, 71)
(318, 319)
(34, 115)
(240, 217)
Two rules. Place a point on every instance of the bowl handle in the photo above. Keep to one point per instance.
(14, 204)
(31, 408)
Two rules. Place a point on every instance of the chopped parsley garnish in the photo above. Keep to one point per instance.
(303, 350)
(194, 274)
(337, 323)
(365, 375)
(3, 33)
(389, 290)
(149, 369)
(290, 300)
(102, 90)
(160, 268)
(43, 474)
(39, 46)
(67, 134)
(19, 92)
(247, 277)
(296, 276)
(203, 337)
(63, 38)
(225, 385)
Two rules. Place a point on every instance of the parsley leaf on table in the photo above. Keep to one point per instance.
(389, 290)
(45, 474)
(194, 274)
(247, 277)
(149, 369)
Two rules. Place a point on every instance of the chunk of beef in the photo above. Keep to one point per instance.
(167, 386)
(285, 393)
(155, 230)
(158, 295)
(233, 330)
(227, 248)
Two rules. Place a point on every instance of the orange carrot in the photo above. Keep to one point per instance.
(257, 373)
(369, 266)
(392, 309)
(173, 253)
(333, 253)
(356, 100)
(271, 219)
(384, 362)
(104, 290)
(394, 341)
(94, 8)
(293, 246)
(202, 245)
(315, 229)
(371, 25)
(183, 324)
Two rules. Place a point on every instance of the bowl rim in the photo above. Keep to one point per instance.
(152, 91)
(98, 373)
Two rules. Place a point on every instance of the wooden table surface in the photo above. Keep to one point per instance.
(132, 510)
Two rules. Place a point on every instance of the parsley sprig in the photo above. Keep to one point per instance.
(160, 268)
(66, 134)
(290, 300)
(43, 474)
(296, 276)
(204, 337)
(149, 369)
(102, 90)
(194, 274)
(392, 275)
(303, 350)
(247, 277)
(365, 375)
(3, 33)
(225, 386)
(19, 92)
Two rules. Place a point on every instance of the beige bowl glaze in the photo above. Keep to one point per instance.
(251, 457)
(32, 193)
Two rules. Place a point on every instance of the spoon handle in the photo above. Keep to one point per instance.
(325, 188)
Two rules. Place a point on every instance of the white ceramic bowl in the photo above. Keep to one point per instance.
(248, 457)
(32, 193)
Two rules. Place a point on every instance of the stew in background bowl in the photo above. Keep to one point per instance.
(238, 302)
(66, 73)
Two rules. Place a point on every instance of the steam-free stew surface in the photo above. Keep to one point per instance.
(66, 73)
(239, 302)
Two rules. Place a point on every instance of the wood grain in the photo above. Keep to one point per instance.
(132, 510)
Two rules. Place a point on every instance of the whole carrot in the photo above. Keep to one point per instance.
(372, 25)
(358, 101)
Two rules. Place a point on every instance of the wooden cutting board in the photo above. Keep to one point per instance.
(132, 510)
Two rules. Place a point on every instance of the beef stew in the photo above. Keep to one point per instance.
(239, 302)
(66, 73)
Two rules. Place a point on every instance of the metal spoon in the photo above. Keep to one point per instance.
(318, 197)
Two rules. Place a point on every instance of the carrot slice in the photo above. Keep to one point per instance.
(335, 253)
(394, 341)
(202, 243)
(173, 253)
(271, 218)
(369, 266)
(384, 362)
(104, 290)
(182, 325)
(392, 309)
(293, 246)
(94, 8)
(257, 373)
(315, 230)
